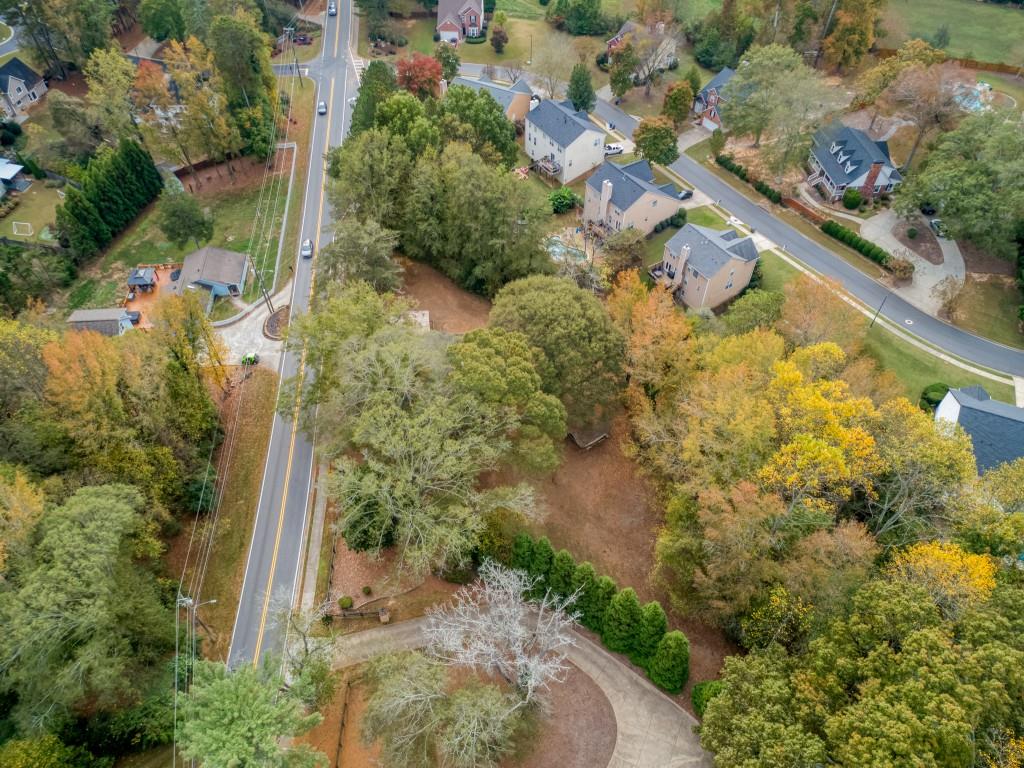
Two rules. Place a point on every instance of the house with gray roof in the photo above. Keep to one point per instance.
(20, 85)
(109, 321)
(996, 429)
(622, 196)
(847, 158)
(563, 142)
(216, 270)
(705, 267)
(514, 99)
(706, 102)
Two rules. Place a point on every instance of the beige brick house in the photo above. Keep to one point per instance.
(704, 267)
(622, 196)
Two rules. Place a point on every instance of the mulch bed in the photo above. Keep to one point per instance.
(979, 262)
(924, 245)
(276, 324)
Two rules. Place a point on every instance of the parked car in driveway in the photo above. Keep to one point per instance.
(938, 228)
(686, 194)
(321, 108)
(306, 251)
(613, 149)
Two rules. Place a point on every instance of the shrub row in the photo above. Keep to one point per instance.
(475, 40)
(676, 220)
(844, 235)
(627, 627)
(735, 168)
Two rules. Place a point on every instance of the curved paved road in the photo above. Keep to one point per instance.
(872, 293)
(652, 731)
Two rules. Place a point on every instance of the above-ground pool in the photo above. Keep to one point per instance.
(560, 251)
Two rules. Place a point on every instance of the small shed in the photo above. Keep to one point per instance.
(109, 321)
(142, 279)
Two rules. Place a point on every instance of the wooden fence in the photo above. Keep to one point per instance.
(987, 66)
(804, 210)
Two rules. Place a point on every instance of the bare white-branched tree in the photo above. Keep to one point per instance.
(491, 626)
(307, 665)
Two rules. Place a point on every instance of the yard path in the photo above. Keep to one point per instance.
(652, 731)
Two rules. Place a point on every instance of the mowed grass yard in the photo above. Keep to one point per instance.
(989, 308)
(36, 206)
(977, 30)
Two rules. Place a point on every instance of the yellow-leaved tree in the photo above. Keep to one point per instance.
(955, 578)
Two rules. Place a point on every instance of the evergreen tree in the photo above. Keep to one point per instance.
(653, 625)
(693, 78)
(581, 89)
(107, 193)
(563, 568)
(604, 590)
(522, 552)
(377, 85)
(81, 226)
(140, 159)
(670, 666)
(621, 626)
(584, 583)
(540, 563)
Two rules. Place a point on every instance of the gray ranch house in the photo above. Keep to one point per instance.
(845, 158)
(218, 271)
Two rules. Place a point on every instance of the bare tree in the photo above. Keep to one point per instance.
(513, 70)
(307, 656)
(927, 96)
(551, 66)
(491, 626)
(653, 52)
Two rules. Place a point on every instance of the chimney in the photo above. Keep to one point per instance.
(534, 101)
(679, 267)
(868, 190)
(606, 199)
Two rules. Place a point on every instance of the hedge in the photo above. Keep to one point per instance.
(639, 632)
(865, 247)
(735, 168)
(704, 692)
(475, 40)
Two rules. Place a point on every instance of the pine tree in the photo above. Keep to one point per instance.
(540, 564)
(581, 89)
(127, 177)
(604, 591)
(670, 666)
(563, 568)
(149, 174)
(622, 622)
(584, 583)
(653, 625)
(81, 225)
(522, 552)
(693, 78)
(106, 193)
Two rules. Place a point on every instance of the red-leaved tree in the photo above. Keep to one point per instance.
(420, 75)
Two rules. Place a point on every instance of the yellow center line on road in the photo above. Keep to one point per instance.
(298, 398)
(337, 34)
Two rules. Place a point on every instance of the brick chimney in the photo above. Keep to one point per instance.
(868, 190)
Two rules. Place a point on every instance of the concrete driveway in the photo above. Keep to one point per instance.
(652, 731)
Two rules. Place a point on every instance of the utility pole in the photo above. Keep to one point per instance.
(290, 36)
(259, 279)
(878, 311)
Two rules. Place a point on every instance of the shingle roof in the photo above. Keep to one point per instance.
(857, 150)
(559, 122)
(996, 429)
(503, 94)
(212, 265)
(716, 83)
(19, 69)
(145, 276)
(449, 9)
(629, 182)
(106, 321)
(710, 249)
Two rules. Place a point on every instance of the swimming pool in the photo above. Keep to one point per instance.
(560, 251)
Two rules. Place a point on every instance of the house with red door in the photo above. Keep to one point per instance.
(458, 19)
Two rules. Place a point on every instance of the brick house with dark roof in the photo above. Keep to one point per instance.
(458, 19)
(706, 102)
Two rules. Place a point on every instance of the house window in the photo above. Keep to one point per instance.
(729, 284)
(19, 89)
(596, 142)
(654, 203)
(33, 95)
(693, 271)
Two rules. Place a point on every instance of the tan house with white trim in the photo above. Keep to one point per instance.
(622, 196)
(21, 86)
(705, 267)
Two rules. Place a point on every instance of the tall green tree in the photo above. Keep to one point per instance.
(563, 568)
(622, 621)
(86, 623)
(360, 251)
(653, 626)
(475, 116)
(163, 19)
(182, 219)
(241, 53)
(655, 139)
(238, 719)
(581, 350)
(669, 665)
(369, 176)
(446, 54)
(110, 77)
(678, 102)
(581, 89)
(377, 85)
(624, 64)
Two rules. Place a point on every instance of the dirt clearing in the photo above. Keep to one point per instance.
(452, 309)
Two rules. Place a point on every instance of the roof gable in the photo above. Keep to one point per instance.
(560, 123)
(711, 249)
(19, 69)
(629, 182)
(717, 83)
(501, 93)
(996, 429)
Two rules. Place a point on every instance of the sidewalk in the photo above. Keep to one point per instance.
(652, 731)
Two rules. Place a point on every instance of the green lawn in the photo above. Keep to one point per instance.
(775, 272)
(8, 56)
(989, 309)
(654, 247)
(705, 216)
(982, 31)
(38, 207)
(94, 293)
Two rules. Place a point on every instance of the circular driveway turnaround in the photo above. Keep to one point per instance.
(652, 731)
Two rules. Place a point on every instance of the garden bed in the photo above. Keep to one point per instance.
(924, 244)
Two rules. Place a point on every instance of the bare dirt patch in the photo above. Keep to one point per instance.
(601, 509)
(924, 243)
(131, 37)
(244, 172)
(979, 262)
(579, 732)
(72, 85)
(277, 323)
(451, 308)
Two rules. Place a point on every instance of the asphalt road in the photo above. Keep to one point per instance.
(273, 567)
(872, 293)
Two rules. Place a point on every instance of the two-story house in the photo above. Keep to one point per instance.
(564, 141)
(704, 267)
(842, 158)
(622, 196)
(21, 86)
(514, 99)
(458, 19)
(657, 37)
(706, 102)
